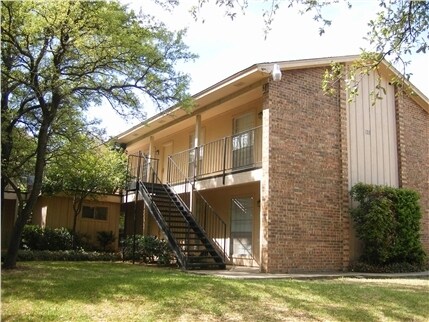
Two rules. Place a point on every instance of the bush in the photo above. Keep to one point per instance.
(32, 237)
(65, 255)
(387, 220)
(58, 239)
(105, 238)
(148, 249)
(38, 238)
(362, 267)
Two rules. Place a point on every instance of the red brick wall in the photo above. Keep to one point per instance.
(303, 197)
(413, 150)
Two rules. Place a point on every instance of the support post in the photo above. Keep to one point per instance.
(197, 146)
(224, 160)
(135, 204)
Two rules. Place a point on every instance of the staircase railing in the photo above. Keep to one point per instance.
(137, 170)
(206, 217)
(145, 169)
(163, 225)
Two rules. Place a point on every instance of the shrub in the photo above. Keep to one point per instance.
(32, 237)
(57, 239)
(148, 249)
(388, 268)
(83, 241)
(38, 238)
(105, 239)
(64, 255)
(387, 220)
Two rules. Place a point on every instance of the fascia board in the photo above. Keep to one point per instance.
(262, 70)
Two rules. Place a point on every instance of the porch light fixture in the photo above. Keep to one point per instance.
(271, 69)
(276, 73)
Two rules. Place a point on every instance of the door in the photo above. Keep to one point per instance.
(241, 227)
(243, 141)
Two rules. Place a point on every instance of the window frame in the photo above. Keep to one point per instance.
(95, 212)
(238, 233)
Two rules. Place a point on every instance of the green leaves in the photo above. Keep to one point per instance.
(85, 168)
(86, 51)
(399, 29)
(387, 220)
(58, 57)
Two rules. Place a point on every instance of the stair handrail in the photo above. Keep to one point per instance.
(150, 203)
(186, 180)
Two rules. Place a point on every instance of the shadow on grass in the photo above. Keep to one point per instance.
(167, 294)
(340, 300)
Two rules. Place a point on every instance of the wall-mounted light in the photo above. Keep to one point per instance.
(276, 73)
(273, 69)
(156, 152)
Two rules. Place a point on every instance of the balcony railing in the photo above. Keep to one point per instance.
(239, 152)
(140, 167)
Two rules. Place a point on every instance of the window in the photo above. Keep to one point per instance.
(241, 226)
(99, 213)
(243, 141)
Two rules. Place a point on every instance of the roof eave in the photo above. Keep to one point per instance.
(264, 69)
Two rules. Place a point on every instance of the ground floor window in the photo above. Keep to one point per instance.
(99, 213)
(241, 226)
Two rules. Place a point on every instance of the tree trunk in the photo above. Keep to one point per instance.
(25, 212)
(77, 208)
(6, 150)
(14, 241)
(3, 189)
(74, 229)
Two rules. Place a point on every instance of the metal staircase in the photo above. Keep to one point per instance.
(186, 237)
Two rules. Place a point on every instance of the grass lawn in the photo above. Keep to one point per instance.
(94, 291)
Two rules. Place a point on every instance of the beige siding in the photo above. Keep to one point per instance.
(372, 136)
(214, 126)
(221, 199)
(56, 212)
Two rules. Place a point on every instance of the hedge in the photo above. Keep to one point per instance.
(65, 255)
(387, 220)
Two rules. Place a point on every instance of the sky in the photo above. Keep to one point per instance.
(226, 47)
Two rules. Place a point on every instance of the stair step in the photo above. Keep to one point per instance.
(191, 241)
(205, 266)
(190, 238)
(173, 215)
(173, 225)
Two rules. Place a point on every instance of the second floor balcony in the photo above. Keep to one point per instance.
(233, 154)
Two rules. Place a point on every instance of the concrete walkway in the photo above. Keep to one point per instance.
(239, 272)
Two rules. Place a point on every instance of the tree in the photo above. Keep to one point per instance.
(399, 29)
(84, 169)
(60, 56)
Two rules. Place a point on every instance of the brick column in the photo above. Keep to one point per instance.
(344, 187)
(412, 125)
(264, 194)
